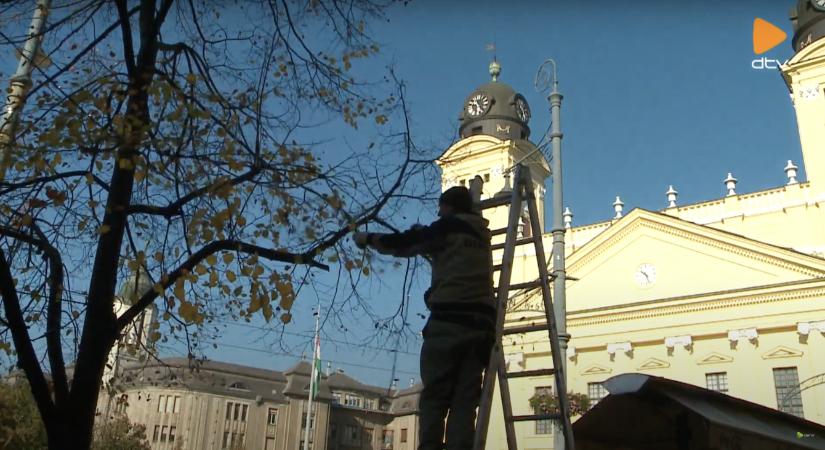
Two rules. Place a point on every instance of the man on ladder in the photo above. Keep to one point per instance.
(460, 332)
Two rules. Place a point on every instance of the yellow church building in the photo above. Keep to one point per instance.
(727, 294)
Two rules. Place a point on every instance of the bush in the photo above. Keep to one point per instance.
(548, 403)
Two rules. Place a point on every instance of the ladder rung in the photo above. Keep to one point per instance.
(531, 373)
(524, 329)
(499, 231)
(534, 417)
(494, 202)
(528, 285)
(496, 267)
(521, 241)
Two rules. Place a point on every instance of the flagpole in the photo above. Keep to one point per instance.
(312, 375)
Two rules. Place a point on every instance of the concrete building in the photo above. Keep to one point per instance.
(727, 294)
(209, 405)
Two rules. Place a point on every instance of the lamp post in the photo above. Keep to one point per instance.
(20, 84)
(543, 82)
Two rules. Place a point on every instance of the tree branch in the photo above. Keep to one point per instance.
(126, 31)
(175, 208)
(54, 346)
(10, 187)
(376, 209)
(213, 247)
(26, 357)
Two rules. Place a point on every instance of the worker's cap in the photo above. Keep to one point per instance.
(458, 197)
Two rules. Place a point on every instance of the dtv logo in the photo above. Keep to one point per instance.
(765, 37)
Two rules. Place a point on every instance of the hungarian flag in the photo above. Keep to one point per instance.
(316, 367)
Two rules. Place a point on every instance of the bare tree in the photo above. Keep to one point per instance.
(178, 140)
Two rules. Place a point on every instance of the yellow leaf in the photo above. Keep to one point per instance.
(212, 259)
(230, 275)
(159, 256)
(189, 312)
(254, 304)
(104, 229)
(200, 269)
(286, 318)
(180, 291)
(366, 271)
(228, 258)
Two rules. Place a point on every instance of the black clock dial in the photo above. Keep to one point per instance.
(522, 109)
(478, 104)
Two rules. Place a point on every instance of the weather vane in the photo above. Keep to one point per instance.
(495, 67)
(491, 47)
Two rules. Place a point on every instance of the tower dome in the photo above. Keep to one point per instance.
(135, 286)
(808, 18)
(495, 109)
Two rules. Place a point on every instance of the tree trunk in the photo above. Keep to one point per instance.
(75, 420)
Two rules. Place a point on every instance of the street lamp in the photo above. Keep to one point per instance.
(546, 78)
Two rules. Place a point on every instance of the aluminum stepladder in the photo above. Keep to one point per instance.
(522, 192)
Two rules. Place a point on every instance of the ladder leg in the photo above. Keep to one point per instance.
(555, 347)
(506, 404)
(486, 402)
(497, 356)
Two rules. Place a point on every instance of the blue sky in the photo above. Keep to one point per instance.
(655, 93)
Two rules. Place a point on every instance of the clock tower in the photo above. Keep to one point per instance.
(494, 134)
(805, 75)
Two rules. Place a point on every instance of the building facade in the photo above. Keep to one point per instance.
(208, 405)
(727, 294)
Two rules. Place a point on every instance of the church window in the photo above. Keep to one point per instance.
(788, 395)
(596, 392)
(544, 426)
(717, 381)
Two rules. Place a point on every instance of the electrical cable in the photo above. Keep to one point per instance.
(270, 352)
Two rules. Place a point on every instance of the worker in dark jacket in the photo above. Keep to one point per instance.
(459, 334)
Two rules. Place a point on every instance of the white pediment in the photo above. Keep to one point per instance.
(648, 256)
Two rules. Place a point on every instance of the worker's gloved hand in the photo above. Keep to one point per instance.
(361, 239)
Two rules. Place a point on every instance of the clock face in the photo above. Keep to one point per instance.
(478, 104)
(523, 110)
(645, 275)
